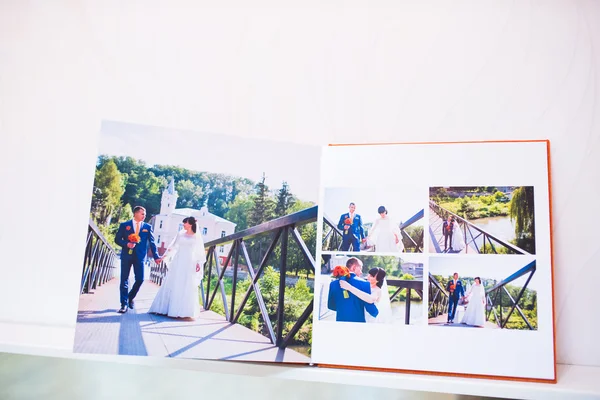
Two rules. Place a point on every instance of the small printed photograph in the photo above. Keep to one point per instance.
(497, 293)
(482, 220)
(370, 289)
(367, 220)
(199, 246)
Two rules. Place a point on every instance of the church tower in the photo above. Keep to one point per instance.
(169, 199)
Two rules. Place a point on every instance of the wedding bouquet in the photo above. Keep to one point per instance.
(341, 272)
(452, 287)
(133, 238)
(347, 221)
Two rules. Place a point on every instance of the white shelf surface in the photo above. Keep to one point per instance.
(574, 382)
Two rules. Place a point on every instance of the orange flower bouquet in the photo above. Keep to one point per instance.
(133, 238)
(347, 221)
(452, 287)
(341, 272)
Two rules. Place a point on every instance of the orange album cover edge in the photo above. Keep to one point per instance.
(459, 375)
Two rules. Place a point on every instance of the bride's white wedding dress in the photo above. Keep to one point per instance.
(383, 304)
(383, 236)
(178, 295)
(475, 313)
(458, 240)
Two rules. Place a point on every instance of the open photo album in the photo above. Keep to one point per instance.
(430, 258)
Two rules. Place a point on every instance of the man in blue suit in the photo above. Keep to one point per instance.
(134, 254)
(352, 234)
(351, 308)
(456, 290)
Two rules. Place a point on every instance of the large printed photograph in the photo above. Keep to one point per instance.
(482, 220)
(199, 246)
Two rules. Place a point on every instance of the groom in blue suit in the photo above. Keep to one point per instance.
(351, 308)
(353, 233)
(455, 291)
(137, 256)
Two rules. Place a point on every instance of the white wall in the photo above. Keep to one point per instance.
(315, 72)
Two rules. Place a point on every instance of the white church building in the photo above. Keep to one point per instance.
(170, 221)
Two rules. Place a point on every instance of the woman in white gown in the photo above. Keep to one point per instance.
(475, 313)
(178, 295)
(385, 234)
(379, 295)
(458, 240)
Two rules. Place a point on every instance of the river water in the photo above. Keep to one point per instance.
(501, 227)
(416, 312)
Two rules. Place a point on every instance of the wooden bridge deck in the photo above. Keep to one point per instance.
(436, 238)
(100, 329)
(441, 320)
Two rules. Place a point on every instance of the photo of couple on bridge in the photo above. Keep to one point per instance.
(197, 257)
(482, 220)
(498, 293)
(377, 230)
(474, 297)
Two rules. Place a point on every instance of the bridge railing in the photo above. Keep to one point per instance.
(474, 232)
(280, 230)
(438, 298)
(496, 294)
(98, 262)
(332, 236)
(409, 285)
(158, 271)
(419, 215)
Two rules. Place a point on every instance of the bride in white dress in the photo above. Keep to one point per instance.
(379, 295)
(458, 240)
(475, 313)
(178, 295)
(385, 234)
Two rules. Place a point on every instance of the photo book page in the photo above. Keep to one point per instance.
(436, 258)
(199, 246)
(423, 258)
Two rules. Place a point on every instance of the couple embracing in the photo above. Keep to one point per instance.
(355, 299)
(185, 256)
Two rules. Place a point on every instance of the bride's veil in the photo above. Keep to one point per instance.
(385, 305)
(171, 249)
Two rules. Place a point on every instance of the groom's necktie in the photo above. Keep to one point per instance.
(137, 228)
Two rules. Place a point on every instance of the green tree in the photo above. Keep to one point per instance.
(263, 206)
(285, 200)
(466, 208)
(521, 210)
(108, 189)
(239, 211)
(142, 187)
(189, 195)
(308, 232)
(125, 213)
(416, 232)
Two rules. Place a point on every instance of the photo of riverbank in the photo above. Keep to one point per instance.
(482, 219)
